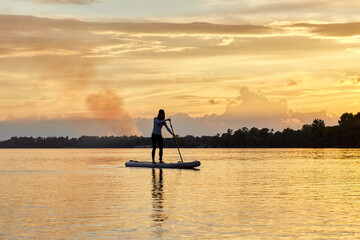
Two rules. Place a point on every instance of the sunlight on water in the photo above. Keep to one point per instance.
(236, 193)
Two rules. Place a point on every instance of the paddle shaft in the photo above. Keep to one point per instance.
(177, 145)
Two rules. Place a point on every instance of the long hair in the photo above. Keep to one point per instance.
(161, 114)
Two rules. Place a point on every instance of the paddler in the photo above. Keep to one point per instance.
(156, 136)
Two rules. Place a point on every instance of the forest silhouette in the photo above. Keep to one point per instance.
(316, 135)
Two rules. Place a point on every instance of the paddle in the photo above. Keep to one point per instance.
(177, 145)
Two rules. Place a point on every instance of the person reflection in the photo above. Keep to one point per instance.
(158, 215)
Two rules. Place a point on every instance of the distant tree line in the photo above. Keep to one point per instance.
(316, 135)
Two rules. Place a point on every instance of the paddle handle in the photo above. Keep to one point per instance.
(177, 145)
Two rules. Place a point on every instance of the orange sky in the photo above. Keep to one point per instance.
(275, 65)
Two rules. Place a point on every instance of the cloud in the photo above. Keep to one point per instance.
(15, 22)
(183, 124)
(108, 106)
(268, 11)
(332, 29)
(348, 78)
(226, 41)
(259, 6)
(254, 109)
(230, 11)
(308, 117)
(81, 2)
(49, 66)
(251, 110)
(294, 82)
(213, 102)
(28, 36)
(284, 6)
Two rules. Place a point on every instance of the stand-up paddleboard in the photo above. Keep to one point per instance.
(182, 165)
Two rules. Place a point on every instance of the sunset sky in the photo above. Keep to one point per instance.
(105, 67)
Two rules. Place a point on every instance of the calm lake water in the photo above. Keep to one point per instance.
(235, 194)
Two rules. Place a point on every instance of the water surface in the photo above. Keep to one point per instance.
(236, 193)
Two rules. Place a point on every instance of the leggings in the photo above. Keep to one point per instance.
(157, 138)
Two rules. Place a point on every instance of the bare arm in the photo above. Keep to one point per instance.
(168, 129)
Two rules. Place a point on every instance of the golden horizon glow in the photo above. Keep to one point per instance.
(50, 66)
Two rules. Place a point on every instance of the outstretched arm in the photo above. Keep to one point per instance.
(168, 129)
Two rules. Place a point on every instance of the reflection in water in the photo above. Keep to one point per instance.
(238, 194)
(158, 215)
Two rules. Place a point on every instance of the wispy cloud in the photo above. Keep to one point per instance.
(267, 11)
(215, 11)
(82, 2)
(294, 82)
(332, 29)
(198, 28)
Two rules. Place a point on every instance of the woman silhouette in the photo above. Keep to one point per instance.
(156, 136)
